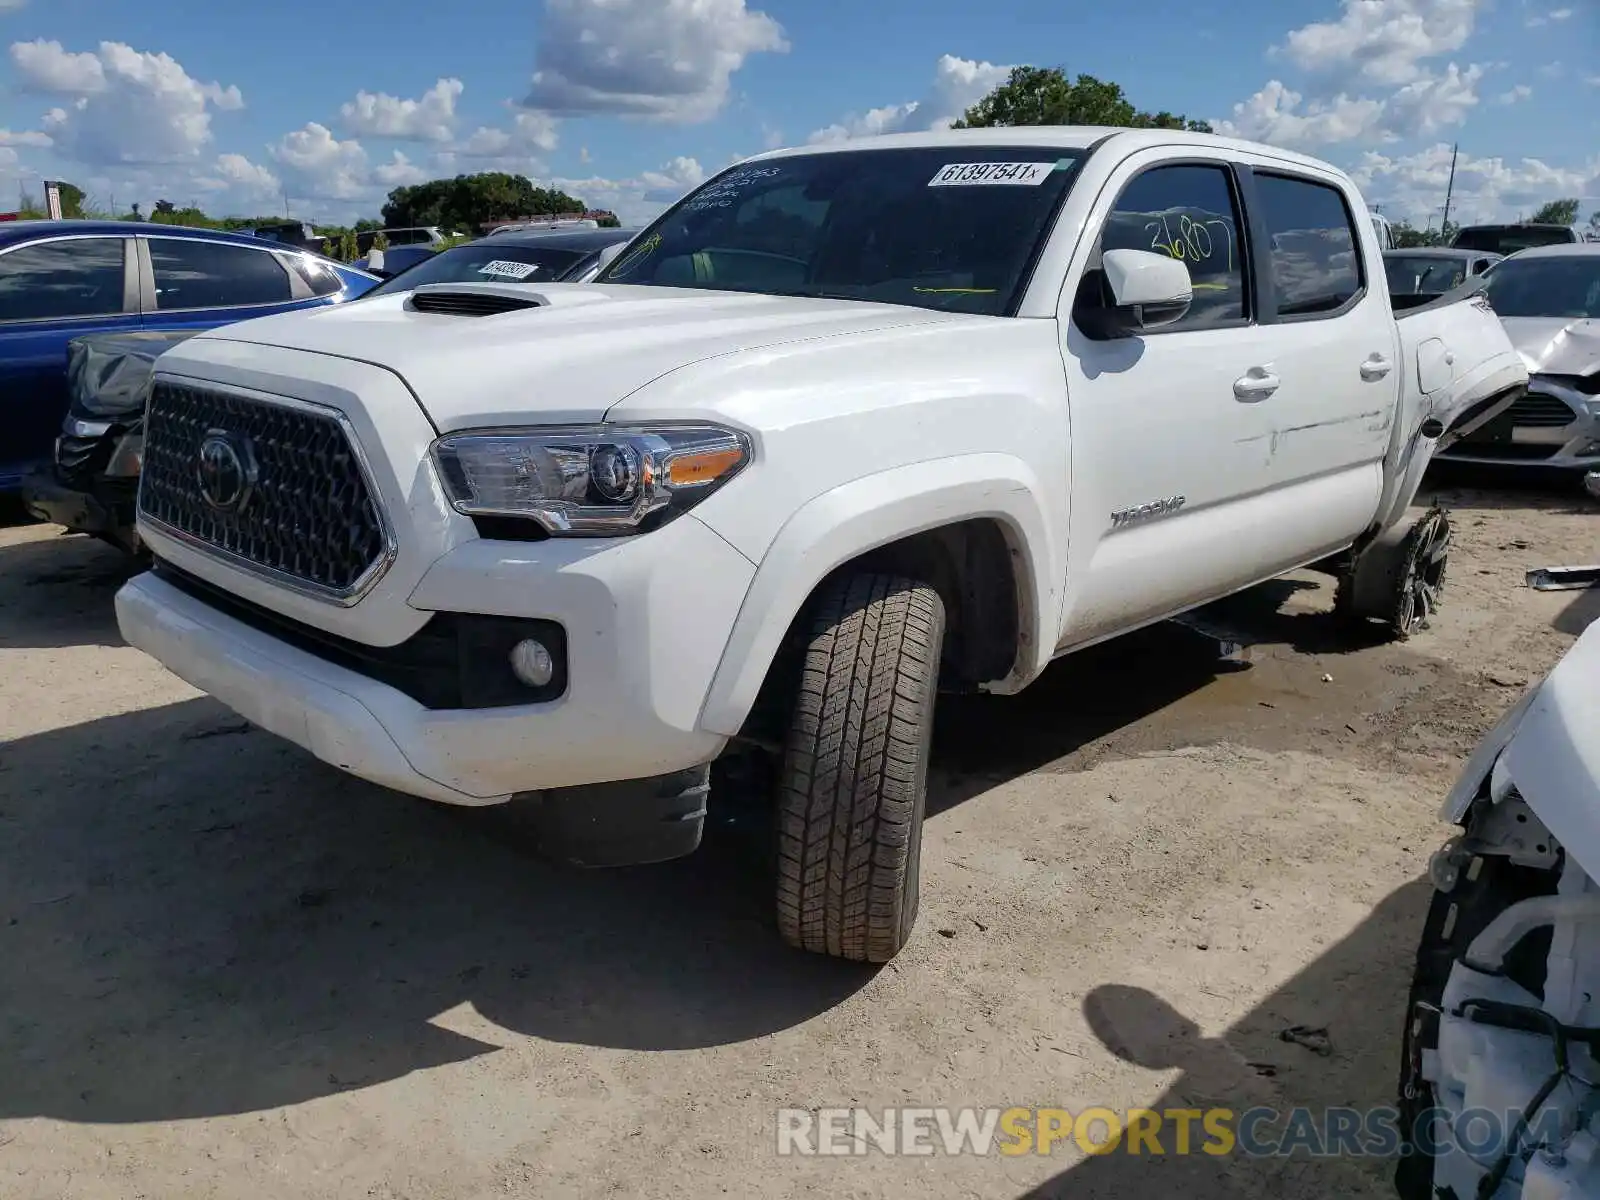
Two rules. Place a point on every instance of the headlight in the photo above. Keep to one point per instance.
(588, 481)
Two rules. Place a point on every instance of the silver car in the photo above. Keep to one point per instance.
(1549, 301)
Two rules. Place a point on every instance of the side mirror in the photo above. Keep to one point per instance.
(1148, 290)
(375, 262)
(610, 255)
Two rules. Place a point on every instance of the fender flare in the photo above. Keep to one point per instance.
(860, 516)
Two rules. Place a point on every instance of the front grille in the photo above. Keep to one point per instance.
(1539, 411)
(1506, 451)
(309, 516)
(469, 304)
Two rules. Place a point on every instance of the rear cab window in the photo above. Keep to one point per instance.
(1313, 253)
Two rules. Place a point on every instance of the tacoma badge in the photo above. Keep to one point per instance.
(1143, 512)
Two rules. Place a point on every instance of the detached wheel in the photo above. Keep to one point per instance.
(853, 787)
(1399, 579)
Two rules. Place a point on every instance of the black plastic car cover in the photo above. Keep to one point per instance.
(108, 374)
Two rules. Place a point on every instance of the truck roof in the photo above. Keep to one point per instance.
(1067, 137)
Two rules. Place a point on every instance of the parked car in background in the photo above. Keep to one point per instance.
(1433, 271)
(1384, 230)
(553, 223)
(387, 263)
(514, 258)
(1508, 239)
(421, 235)
(61, 280)
(1548, 299)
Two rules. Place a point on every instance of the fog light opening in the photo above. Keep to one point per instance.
(532, 664)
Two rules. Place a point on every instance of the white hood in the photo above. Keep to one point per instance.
(1556, 345)
(582, 350)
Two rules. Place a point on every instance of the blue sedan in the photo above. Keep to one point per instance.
(60, 280)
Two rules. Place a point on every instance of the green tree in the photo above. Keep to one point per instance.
(72, 198)
(1045, 96)
(1594, 222)
(469, 201)
(1408, 237)
(1557, 212)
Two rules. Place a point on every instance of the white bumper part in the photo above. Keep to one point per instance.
(645, 631)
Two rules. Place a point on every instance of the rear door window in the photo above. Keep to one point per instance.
(73, 277)
(201, 274)
(1313, 252)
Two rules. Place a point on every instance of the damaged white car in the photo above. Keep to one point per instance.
(1499, 1075)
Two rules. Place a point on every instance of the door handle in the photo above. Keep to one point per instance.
(1375, 368)
(1256, 384)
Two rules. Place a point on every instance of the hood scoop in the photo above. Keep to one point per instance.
(492, 299)
(471, 299)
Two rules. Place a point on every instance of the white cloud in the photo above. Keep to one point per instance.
(1383, 41)
(1487, 188)
(958, 84)
(25, 137)
(125, 105)
(318, 166)
(1419, 109)
(1553, 17)
(1521, 92)
(12, 5)
(529, 131)
(233, 185)
(673, 180)
(432, 118)
(1274, 115)
(50, 68)
(399, 171)
(641, 199)
(1424, 107)
(666, 60)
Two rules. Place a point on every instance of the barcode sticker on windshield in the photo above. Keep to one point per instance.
(506, 269)
(1029, 174)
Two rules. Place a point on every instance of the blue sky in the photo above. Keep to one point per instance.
(628, 102)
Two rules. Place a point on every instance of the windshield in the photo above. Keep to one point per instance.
(1423, 275)
(941, 227)
(483, 262)
(1508, 239)
(1546, 287)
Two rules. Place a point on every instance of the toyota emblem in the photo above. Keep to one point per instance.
(226, 470)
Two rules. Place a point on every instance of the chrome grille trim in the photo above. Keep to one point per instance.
(344, 597)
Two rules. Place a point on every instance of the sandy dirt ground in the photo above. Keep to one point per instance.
(228, 971)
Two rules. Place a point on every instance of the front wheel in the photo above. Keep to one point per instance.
(853, 788)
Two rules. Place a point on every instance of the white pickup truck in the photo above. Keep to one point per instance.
(844, 428)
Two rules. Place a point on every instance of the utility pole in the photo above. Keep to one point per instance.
(1450, 188)
(286, 202)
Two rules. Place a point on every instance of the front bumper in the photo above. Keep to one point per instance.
(646, 621)
(1572, 446)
